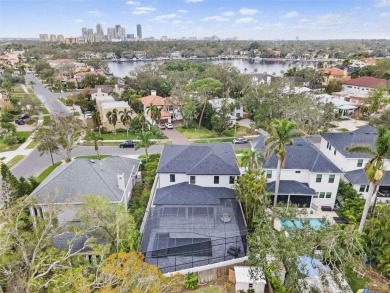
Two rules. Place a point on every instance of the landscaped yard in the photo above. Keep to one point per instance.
(32, 145)
(194, 133)
(15, 160)
(20, 134)
(118, 136)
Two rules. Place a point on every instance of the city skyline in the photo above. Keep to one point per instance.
(281, 19)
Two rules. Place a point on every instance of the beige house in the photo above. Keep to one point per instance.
(108, 106)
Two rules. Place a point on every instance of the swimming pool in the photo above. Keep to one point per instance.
(315, 223)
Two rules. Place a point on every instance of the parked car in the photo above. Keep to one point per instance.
(169, 125)
(87, 114)
(24, 116)
(127, 144)
(239, 140)
(161, 126)
(20, 121)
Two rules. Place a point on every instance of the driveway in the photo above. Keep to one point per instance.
(175, 136)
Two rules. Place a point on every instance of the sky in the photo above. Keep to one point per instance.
(244, 19)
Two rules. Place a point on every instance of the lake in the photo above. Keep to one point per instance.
(243, 65)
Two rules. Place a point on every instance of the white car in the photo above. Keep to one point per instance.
(239, 140)
(87, 114)
(169, 125)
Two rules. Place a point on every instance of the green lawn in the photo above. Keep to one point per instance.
(15, 160)
(62, 100)
(23, 134)
(32, 145)
(213, 289)
(342, 129)
(217, 140)
(119, 136)
(44, 110)
(47, 171)
(4, 147)
(193, 133)
(93, 157)
(46, 120)
(356, 281)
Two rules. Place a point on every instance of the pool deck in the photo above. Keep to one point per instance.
(316, 214)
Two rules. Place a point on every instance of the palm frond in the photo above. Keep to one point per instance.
(365, 149)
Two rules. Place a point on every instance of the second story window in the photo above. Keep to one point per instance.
(360, 163)
(331, 178)
(269, 174)
(192, 179)
(172, 178)
(216, 179)
(319, 178)
(231, 180)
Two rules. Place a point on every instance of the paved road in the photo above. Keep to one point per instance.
(49, 99)
(34, 164)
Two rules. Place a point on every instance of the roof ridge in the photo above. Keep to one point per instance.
(200, 161)
(104, 181)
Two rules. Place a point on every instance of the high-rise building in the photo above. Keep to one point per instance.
(139, 31)
(110, 33)
(53, 38)
(60, 38)
(44, 37)
(130, 36)
(99, 30)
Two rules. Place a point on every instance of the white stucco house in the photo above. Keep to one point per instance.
(308, 178)
(334, 145)
(237, 109)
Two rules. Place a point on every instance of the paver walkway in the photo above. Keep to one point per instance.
(175, 136)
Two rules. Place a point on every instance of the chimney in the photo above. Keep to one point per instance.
(153, 93)
(99, 90)
(268, 79)
(116, 88)
(121, 181)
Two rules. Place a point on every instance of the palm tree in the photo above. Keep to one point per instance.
(145, 142)
(155, 113)
(283, 132)
(112, 118)
(374, 168)
(125, 117)
(93, 136)
(252, 159)
(96, 120)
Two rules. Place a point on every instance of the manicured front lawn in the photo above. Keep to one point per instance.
(93, 157)
(193, 133)
(213, 140)
(119, 136)
(32, 145)
(21, 134)
(15, 160)
(47, 171)
(44, 110)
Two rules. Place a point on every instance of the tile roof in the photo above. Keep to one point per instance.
(301, 155)
(360, 177)
(367, 81)
(199, 159)
(155, 100)
(194, 195)
(70, 182)
(365, 135)
(291, 187)
(334, 71)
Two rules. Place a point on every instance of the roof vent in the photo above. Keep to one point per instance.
(299, 144)
(92, 161)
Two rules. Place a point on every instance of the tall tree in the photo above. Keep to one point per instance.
(145, 141)
(125, 117)
(47, 139)
(112, 117)
(96, 139)
(283, 133)
(204, 88)
(155, 113)
(97, 121)
(375, 168)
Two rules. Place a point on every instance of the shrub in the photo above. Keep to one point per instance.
(192, 281)
(10, 139)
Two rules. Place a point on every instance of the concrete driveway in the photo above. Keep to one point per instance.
(175, 136)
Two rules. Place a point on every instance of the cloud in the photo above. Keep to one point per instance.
(228, 13)
(134, 3)
(176, 21)
(182, 11)
(247, 11)
(194, 1)
(385, 14)
(290, 14)
(143, 9)
(215, 18)
(246, 20)
(382, 3)
(95, 12)
(78, 21)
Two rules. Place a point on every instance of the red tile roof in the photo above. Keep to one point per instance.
(367, 81)
(155, 100)
(334, 71)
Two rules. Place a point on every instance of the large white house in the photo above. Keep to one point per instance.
(308, 178)
(334, 146)
(237, 109)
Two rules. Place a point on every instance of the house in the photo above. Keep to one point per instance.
(334, 145)
(308, 178)
(342, 109)
(364, 84)
(245, 280)
(193, 217)
(237, 109)
(334, 73)
(170, 111)
(260, 78)
(105, 90)
(112, 178)
(107, 104)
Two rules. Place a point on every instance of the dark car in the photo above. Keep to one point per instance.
(127, 144)
(19, 121)
(24, 116)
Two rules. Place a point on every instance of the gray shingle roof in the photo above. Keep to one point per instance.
(76, 243)
(365, 135)
(258, 143)
(69, 182)
(360, 177)
(189, 194)
(291, 187)
(202, 159)
(302, 155)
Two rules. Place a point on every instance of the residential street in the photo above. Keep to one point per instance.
(49, 99)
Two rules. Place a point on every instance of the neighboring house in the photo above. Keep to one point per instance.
(106, 107)
(334, 73)
(105, 90)
(112, 178)
(169, 111)
(334, 145)
(260, 78)
(308, 178)
(342, 108)
(237, 108)
(193, 217)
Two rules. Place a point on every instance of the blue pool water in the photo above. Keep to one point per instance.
(315, 223)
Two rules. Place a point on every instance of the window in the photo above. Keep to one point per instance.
(269, 174)
(172, 178)
(322, 194)
(238, 107)
(328, 195)
(327, 145)
(231, 180)
(192, 179)
(364, 188)
(297, 172)
(334, 152)
(216, 179)
(250, 286)
(238, 116)
(360, 163)
(331, 179)
(319, 178)
(367, 188)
